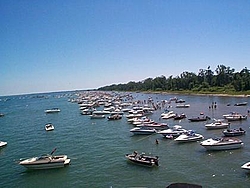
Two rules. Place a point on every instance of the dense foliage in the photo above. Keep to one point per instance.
(223, 79)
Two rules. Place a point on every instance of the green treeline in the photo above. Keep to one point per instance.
(222, 79)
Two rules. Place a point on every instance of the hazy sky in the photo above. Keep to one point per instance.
(55, 45)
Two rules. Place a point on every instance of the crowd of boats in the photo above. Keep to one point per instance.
(110, 106)
(138, 113)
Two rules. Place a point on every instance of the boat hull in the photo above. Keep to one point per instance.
(143, 132)
(45, 163)
(210, 127)
(46, 166)
(246, 166)
(54, 110)
(198, 119)
(223, 147)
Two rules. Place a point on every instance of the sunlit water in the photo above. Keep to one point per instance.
(97, 146)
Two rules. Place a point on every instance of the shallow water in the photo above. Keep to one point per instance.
(97, 146)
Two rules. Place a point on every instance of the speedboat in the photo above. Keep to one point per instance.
(87, 111)
(168, 115)
(217, 124)
(2, 144)
(143, 120)
(142, 159)
(53, 110)
(101, 112)
(181, 116)
(224, 143)
(142, 130)
(246, 166)
(97, 116)
(134, 115)
(46, 161)
(240, 104)
(235, 116)
(49, 127)
(155, 125)
(191, 136)
(234, 132)
(182, 105)
(180, 101)
(167, 112)
(114, 117)
(230, 114)
(117, 112)
(184, 185)
(175, 131)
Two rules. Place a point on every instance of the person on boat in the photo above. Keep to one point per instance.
(135, 153)
(156, 141)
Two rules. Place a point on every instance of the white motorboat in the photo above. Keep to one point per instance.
(240, 104)
(191, 136)
(155, 125)
(46, 161)
(114, 117)
(224, 143)
(87, 111)
(52, 110)
(167, 112)
(168, 115)
(246, 166)
(101, 112)
(143, 120)
(2, 144)
(142, 131)
(217, 124)
(97, 116)
(182, 105)
(117, 112)
(173, 132)
(134, 115)
(49, 127)
(237, 117)
(234, 116)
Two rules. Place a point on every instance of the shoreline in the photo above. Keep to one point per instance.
(198, 94)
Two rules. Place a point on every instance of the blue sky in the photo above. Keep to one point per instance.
(55, 45)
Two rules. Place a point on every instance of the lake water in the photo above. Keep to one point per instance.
(97, 147)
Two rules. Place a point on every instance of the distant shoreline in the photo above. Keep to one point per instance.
(199, 94)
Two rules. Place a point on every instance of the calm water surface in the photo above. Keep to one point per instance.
(97, 146)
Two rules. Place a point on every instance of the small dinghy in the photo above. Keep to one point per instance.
(49, 127)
